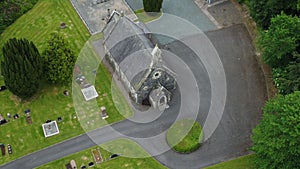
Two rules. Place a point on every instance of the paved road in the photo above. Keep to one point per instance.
(245, 97)
(186, 9)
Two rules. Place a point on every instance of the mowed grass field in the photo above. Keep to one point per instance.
(122, 146)
(45, 18)
(49, 102)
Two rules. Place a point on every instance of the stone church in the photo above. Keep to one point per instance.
(145, 77)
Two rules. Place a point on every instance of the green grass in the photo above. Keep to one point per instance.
(185, 136)
(245, 162)
(147, 17)
(25, 138)
(121, 146)
(50, 102)
(44, 18)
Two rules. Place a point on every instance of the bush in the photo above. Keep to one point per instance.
(276, 137)
(287, 80)
(263, 11)
(59, 60)
(280, 43)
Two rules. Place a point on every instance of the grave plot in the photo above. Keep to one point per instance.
(97, 156)
(89, 93)
(50, 129)
(2, 146)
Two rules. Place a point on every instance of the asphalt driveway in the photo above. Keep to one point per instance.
(186, 9)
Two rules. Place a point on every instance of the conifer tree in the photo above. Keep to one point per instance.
(152, 5)
(21, 67)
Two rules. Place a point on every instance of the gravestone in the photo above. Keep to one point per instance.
(9, 149)
(63, 25)
(2, 88)
(2, 149)
(16, 116)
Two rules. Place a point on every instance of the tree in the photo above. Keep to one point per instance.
(263, 11)
(59, 60)
(280, 43)
(276, 139)
(287, 79)
(152, 5)
(21, 67)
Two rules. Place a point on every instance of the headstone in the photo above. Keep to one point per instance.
(3, 121)
(28, 119)
(2, 149)
(66, 92)
(103, 113)
(27, 111)
(114, 156)
(16, 116)
(73, 164)
(91, 164)
(2, 88)
(9, 149)
(63, 25)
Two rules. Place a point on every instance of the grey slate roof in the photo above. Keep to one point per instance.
(123, 38)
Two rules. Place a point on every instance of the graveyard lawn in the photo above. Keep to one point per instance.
(124, 146)
(50, 102)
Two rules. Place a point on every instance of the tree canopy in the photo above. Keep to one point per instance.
(59, 60)
(263, 11)
(152, 5)
(280, 43)
(287, 79)
(21, 67)
(281, 50)
(276, 140)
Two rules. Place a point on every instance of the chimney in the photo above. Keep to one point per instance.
(108, 12)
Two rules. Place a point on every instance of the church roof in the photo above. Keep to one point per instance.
(123, 38)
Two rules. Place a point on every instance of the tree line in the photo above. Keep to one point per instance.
(276, 139)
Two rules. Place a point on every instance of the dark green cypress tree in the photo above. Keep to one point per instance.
(21, 67)
(152, 5)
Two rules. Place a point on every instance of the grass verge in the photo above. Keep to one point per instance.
(245, 162)
(185, 136)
